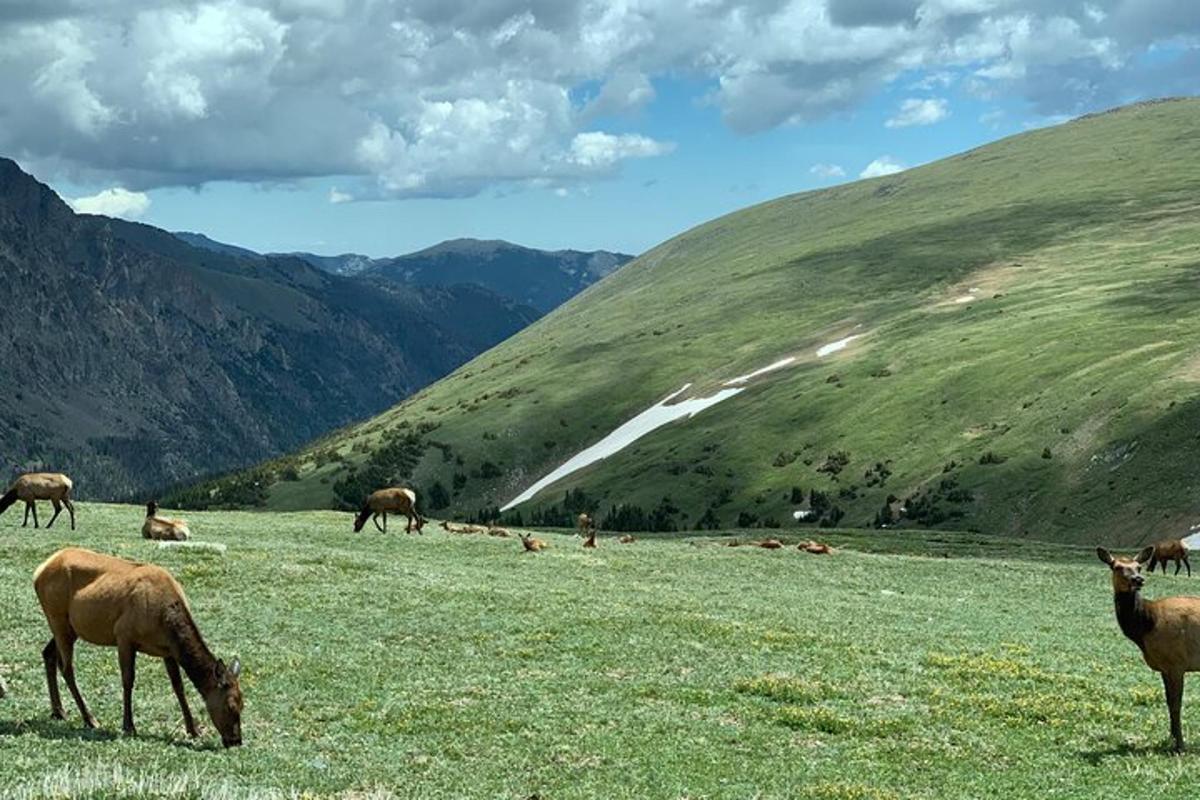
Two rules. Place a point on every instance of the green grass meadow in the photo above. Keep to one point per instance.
(908, 665)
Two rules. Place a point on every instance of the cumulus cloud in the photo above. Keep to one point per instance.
(884, 165)
(114, 202)
(827, 171)
(446, 98)
(916, 111)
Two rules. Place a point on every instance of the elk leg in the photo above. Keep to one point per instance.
(127, 656)
(28, 505)
(408, 528)
(57, 510)
(1187, 564)
(1178, 565)
(66, 662)
(177, 686)
(33, 506)
(375, 519)
(1173, 684)
(50, 657)
(70, 510)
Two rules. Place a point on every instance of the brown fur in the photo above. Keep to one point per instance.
(816, 548)
(134, 607)
(456, 527)
(585, 525)
(769, 544)
(1170, 550)
(590, 542)
(626, 539)
(1167, 630)
(395, 499)
(531, 544)
(52, 486)
(164, 528)
(503, 533)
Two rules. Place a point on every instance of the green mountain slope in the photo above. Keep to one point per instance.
(1060, 401)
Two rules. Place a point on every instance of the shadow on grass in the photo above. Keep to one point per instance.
(61, 730)
(1096, 758)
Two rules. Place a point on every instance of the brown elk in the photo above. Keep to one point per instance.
(1167, 631)
(395, 499)
(52, 486)
(531, 544)
(816, 548)
(584, 524)
(163, 528)
(1170, 550)
(626, 539)
(458, 527)
(770, 544)
(134, 607)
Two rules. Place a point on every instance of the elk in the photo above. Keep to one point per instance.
(495, 530)
(627, 539)
(584, 524)
(816, 548)
(531, 544)
(395, 499)
(134, 607)
(163, 528)
(769, 544)
(52, 486)
(1170, 550)
(456, 527)
(1167, 631)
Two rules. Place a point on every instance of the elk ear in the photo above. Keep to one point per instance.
(235, 669)
(1146, 554)
(1104, 555)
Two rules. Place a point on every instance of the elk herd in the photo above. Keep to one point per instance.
(141, 608)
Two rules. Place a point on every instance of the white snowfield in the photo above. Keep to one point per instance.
(652, 418)
(833, 347)
(744, 378)
(658, 415)
(1192, 540)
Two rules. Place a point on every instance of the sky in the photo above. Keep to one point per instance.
(384, 126)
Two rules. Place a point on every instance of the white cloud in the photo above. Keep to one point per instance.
(595, 149)
(448, 97)
(114, 202)
(884, 165)
(336, 196)
(916, 111)
(827, 171)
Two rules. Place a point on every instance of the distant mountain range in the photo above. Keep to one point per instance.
(132, 358)
(541, 279)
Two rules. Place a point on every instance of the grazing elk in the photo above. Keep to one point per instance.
(531, 544)
(134, 607)
(395, 499)
(52, 486)
(164, 528)
(1167, 631)
(1170, 550)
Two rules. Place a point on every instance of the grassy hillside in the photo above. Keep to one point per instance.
(1060, 402)
(454, 666)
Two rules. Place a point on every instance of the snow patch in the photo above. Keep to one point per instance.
(833, 347)
(651, 419)
(744, 378)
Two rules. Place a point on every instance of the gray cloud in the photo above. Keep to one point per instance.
(437, 98)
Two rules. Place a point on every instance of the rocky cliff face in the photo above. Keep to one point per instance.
(131, 359)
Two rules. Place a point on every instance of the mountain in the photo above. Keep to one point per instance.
(133, 359)
(543, 279)
(1002, 341)
(344, 264)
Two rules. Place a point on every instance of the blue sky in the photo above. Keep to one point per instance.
(383, 127)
